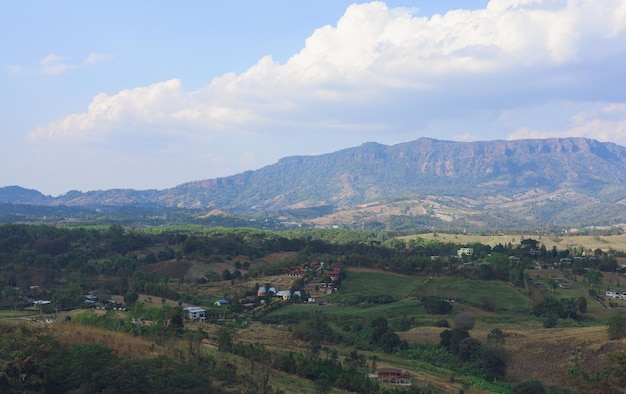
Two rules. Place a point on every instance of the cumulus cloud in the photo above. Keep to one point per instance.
(606, 123)
(381, 69)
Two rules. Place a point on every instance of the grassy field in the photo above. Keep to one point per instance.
(10, 313)
(501, 296)
(562, 242)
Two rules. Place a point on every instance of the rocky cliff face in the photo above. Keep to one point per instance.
(523, 176)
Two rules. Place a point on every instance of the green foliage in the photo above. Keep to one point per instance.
(431, 354)
(465, 321)
(593, 277)
(564, 308)
(468, 349)
(582, 304)
(313, 328)
(529, 387)
(451, 339)
(31, 361)
(436, 306)
(496, 337)
(474, 292)
(617, 326)
(225, 340)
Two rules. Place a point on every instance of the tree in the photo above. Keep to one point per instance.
(435, 306)
(130, 298)
(468, 349)
(529, 244)
(465, 321)
(617, 326)
(225, 340)
(491, 363)
(212, 276)
(226, 275)
(550, 320)
(582, 304)
(553, 284)
(593, 277)
(495, 337)
(568, 308)
(450, 339)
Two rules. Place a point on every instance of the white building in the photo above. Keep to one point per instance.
(195, 313)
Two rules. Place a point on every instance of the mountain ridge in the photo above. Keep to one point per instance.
(498, 177)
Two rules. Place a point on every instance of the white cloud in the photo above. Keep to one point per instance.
(53, 64)
(382, 69)
(95, 57)
(606, 123)
(465, 137)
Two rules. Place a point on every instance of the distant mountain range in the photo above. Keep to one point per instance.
(426, 182)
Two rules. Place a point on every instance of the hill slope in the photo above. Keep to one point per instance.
(571, 180)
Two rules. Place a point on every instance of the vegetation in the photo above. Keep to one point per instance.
(316, 309)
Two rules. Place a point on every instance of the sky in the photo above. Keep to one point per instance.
(145, 94)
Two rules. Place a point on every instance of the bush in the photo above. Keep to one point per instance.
(442, 323)
(550, 321)
(617, 326)
(529, 387)
(465, 321)
(435, 306)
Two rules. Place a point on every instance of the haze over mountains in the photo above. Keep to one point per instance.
(426, 182)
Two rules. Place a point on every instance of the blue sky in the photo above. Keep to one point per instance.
(152, 94)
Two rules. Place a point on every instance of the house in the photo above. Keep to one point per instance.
(284, 294)
(611, 294)
(393, 376)
(465, 252)
(221, 302)
(91, 299)
(195, 313)
(261, 292)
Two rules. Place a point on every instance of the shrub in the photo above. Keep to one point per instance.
(435, 306)
(617, 326)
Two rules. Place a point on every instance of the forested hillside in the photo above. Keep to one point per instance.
(309, 310)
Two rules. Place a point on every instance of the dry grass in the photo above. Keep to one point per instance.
(546, 354)
(541, 354)
(123, 344)
(589, 242)
(422, 334)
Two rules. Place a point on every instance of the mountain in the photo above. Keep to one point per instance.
(426, 182)
(21, 195)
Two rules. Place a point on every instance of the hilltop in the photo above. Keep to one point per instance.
(423, 183)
